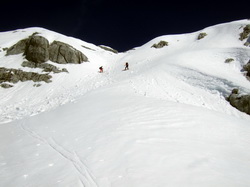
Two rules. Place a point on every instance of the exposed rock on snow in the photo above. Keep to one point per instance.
(202, 35)
(247, 69)
(44, 66)
(37, 49)
(14, 76)
(5, 85)
(247, 43)
(241, 102)
(161, 44)
(245, 33)
(18, 48)
(228, 60)
(63, 53)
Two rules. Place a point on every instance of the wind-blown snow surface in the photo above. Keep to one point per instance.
(165, 122)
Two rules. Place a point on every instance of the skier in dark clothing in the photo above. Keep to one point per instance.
(101, 69)
(126, 66)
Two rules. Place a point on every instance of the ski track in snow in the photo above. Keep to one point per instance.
(85, 176)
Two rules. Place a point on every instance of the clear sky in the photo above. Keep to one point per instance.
(120, 24)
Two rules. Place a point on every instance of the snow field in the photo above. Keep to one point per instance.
(122, 140)
(165, 122)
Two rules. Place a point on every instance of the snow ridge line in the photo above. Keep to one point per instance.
(86, 177)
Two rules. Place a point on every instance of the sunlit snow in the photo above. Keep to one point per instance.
(163, 123)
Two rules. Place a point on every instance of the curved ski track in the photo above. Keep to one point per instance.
(85, 176)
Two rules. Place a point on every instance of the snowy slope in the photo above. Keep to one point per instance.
(165, 122)
(64, 87)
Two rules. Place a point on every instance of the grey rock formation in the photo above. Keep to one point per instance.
(18, 48)
(161, 44)
(15, 75)
(228, 60)
(5, 85)
(63, 53)
(37, 49)
(202, 35)
(247, 68)
(246, 32)
(242, 103)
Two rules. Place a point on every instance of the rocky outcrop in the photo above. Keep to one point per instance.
(63, 53)
(246, 32)
(37, 49)
(241, 102)
(5, 85)
(16, 75)
(159, 45)
(202, 35)
(18, 48)
(247, 69)
(228, 60)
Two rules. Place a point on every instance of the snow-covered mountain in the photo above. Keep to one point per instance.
(164, 122)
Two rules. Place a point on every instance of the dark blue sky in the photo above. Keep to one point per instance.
(121, 24)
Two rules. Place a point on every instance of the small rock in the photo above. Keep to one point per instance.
(202, 35)
(5, 85)
(229, 60)
(161, 44)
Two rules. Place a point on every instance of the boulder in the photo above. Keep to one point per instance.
(228, 60)
(63, 53)
(241, 102)
(37, 49)
(202, 35)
